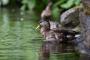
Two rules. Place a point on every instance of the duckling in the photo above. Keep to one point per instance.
(47, 12)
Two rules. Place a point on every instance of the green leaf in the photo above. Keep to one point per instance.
(59, 3)
(31, 4)
(68, 4)
(28, 3)
(23, 7)
(77, 2)
(55, 13)
(24, 1)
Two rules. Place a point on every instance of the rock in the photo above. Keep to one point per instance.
(86, 4)
(70, 18)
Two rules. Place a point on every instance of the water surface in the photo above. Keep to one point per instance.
(19, 40)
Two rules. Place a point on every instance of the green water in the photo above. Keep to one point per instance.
(19, 40)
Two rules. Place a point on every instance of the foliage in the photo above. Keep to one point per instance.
(58, 5)
(39, 5)
(70, 3)
(4, 2)
(62, 5)
(28, 3)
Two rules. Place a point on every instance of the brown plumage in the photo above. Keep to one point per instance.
(47, 11)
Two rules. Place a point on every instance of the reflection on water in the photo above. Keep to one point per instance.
(19, 40)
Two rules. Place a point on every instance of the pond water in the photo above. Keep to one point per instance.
(19, 40)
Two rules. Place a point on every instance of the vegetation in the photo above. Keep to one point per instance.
(39, 5)
(58, 5)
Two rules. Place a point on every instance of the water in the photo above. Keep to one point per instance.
(19, 40)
